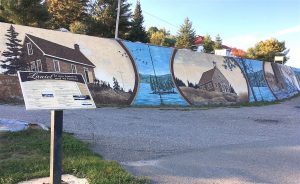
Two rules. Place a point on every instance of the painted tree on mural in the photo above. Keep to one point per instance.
(13, 55)
(116, 85)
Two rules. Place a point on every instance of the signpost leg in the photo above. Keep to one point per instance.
(56, 147)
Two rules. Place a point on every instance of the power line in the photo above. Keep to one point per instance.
(161, 19)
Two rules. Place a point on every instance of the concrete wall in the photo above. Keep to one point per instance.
(137, 74)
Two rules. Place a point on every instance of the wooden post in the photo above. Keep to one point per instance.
(56, 146)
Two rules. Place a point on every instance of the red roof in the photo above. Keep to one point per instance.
(199, 40)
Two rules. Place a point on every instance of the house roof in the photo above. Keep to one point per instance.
(59, 51)
(199, 40)
(207, 76)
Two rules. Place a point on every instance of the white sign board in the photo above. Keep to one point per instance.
(55, 91)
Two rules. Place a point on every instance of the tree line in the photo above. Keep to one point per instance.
(98, 18)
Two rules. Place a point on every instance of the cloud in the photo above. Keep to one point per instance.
(283, 32)
(294, 57)
(242, 41)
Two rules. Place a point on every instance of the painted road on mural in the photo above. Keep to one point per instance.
(222, 145)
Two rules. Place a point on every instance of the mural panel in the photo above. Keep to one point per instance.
(281, 80)
(297, 74)
(155, 82)
(105, 65)
(258, 86)
(206, 79)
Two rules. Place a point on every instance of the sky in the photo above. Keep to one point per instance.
(240, 23)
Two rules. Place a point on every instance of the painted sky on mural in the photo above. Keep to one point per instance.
(108, 56)
(192, 69)
(240, 23)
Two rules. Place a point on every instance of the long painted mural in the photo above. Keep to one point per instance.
(131, 73)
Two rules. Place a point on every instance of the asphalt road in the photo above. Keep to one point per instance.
(222, 145)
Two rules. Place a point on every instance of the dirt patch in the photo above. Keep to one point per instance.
(66, 179)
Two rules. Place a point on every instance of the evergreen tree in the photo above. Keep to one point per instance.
(208, 44)
(218, 42)
(66, 12)
(116, 85)
(186, 35)
(24, 12)
(179, 82)
(137, 32)
(13, 61)
(104, 15)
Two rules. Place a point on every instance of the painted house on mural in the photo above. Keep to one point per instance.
(214, 80)
(45, 56)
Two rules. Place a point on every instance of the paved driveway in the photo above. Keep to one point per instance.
(222, 145)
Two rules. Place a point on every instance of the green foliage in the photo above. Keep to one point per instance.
(25, 155)
(186, 35)
(208, 44)
(161, 37)
(137, 32)
(267, 50)
(79, 27)
(13, 55)
(218, 42)
(65, 12)
(152, 30)
(24, 12)
(104, 16)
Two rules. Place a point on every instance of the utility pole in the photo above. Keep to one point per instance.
(118, 19)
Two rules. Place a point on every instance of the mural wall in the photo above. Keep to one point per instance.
(127, 73)
(281, 80)
(258, 87)
(104, 63)
(206, 79)
(156, 86)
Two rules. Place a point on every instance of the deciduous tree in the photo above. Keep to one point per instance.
(238, 52)
(267, 50)
(66, 12)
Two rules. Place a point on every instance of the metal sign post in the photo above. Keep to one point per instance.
(56, 146)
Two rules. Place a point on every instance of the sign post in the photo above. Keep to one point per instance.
(56, 146)
(55, 92)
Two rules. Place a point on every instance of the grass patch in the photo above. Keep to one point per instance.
(25, 155)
